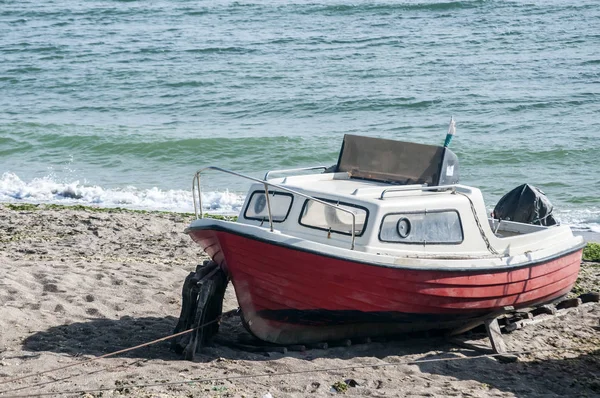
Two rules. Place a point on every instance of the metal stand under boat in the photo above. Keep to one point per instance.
(202, 305)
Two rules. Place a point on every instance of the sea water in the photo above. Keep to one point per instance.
(118, 103)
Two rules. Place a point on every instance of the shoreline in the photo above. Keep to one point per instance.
(588, 236)
(80, 283)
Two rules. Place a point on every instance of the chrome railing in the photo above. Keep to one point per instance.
(197, 195)
(418, 188)
(294, 170)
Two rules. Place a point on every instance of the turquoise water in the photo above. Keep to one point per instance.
(119, 102)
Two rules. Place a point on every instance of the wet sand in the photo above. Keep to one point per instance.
(77, 284)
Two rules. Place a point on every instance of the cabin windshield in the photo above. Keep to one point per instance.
(319, 216)
(378, 159)
(257, 209)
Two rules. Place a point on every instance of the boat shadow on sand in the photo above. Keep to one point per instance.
(562, 376)
(575, 376)
(102, 336)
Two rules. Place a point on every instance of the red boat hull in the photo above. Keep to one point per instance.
(290, 296)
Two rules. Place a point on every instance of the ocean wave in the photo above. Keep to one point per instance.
(385, 8)
(495, 156)
(48, 190)
(587, 219)
(220, 50)
(101, 143)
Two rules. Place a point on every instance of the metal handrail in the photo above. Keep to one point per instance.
(196, 190)
(293, 170)
(418, 188)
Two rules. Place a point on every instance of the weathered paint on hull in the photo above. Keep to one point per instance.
(290, 296)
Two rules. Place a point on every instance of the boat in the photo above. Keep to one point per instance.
(384, 242)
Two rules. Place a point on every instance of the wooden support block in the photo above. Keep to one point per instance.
(470, 346)
(319, 346)
(495, 336)
(524, 315)
(570, 303)
(512, 326)
(296, 347)
(466, 327)
(361, 340)
(479, 321)
(591, 297)
(544, 309)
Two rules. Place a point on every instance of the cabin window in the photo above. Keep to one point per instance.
(257, 209)
(319, 216)
(431, 227)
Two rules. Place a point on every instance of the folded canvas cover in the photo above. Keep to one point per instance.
(397, 161)
(526, 204)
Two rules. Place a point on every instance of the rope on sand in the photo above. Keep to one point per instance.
(111, 354)
(172, 336)
(45, 383)
(349, 367)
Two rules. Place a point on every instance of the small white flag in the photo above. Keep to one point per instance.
(451, 132)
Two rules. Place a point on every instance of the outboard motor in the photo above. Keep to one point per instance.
(525, 204)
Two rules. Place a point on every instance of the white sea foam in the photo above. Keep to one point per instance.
(587, 219)
(47, 190)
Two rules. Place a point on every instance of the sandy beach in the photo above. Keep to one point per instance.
(77, 284)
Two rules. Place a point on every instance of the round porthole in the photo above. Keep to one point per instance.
(260, 203)
(403, 227)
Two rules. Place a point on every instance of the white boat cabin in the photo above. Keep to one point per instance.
(399, 198)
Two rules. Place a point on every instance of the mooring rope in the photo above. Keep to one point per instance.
(45, 383)
(111, 354)
(348, 367)
(479, 226)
